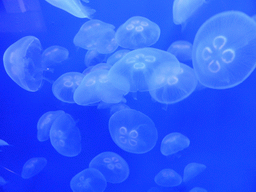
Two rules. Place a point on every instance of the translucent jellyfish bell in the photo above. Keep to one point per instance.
(117, 56)
(54, 54)
(32, 167)
(168, 178)
(223, 56)
(182, 50)
(92, 57)
(137, 32)
(22, 62)
(192, 170)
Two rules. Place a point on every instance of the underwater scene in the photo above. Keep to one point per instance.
(128, 96)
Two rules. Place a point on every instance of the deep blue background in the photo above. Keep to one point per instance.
(219, 123)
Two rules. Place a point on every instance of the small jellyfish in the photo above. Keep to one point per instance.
(96, 35)
(88, 180)
(74, 7)
(192, 170)
(32, 167)
(2, 181)
(173, 143)
(92, 58)
(54, 54)
(182, 50)
(64, 87)
(168, 178)
(45, 122)
(65, 136)
(112, 166)
(117, 56)
(198, 189)
(137, 32)
(224, 57)
(132, 131)
(3, 143)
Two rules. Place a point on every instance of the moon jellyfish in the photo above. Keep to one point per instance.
(96, 35)
(44, 124)
(32, 167)
(65, 136)
(224, 57)
(64, 87)
(192, 170)
(198, 189)
(137, 32)
(132, 131)
(93, 58)
(54, 54)
(2, 181)
(117, 56)
(22, 62)
(182, 50)
(74, 7)
(168, 178)
(134, 71)
(88, 180)
(112, 166)
(183, 9)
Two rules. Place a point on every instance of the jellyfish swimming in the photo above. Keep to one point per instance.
(168, 178)
(117, 56)
(182, 50)
(3, 143)
(32, 167)
(54, 54)
(192, 170)
(93, 57)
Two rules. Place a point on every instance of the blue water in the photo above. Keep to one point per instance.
(219, 123)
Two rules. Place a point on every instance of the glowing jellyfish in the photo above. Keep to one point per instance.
(92, 57)
(132, 131)
(134, 71)
(168, 178)
(3, 143)
(44, 124)
(64, 87)
(112, 166)
(192, 170)
(96, 35)
(117, 56)
(88, 180)
(65, 136)
(22, 62)
(54, 54)
(32, 167)
(224, 57)
(74, 7)
(198, 189)
(176, 86)
(137, 32)
(183, 9)
(182, 50)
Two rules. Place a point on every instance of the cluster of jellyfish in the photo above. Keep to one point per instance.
(220, 60)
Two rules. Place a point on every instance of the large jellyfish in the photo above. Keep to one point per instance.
(32, 167)
(168, 178)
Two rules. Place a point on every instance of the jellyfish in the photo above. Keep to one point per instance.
(3, 143)
(117, 56)
(96, 35)
(198, 189)
(132, 131)
(224, 57)
(134, 71)
(33, 166)
(54, 54)
(64, 87)
(88, 180)
(192, 170)
(182, 50)
(92, 58)
(45, 122)
(168, 178)
(65, 136)
(112, 166)
(137, 32)
(74, 7)
(2, 181)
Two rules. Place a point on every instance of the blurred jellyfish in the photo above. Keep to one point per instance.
(137, 32)
(198, 189)
(3, 143)
(44, 124)
(32, 167)
(2, 181)
(100, 66)
(192, 170)
(88, 180)
(112, 166)
(132, 131)
(64, 87)
(254, 17)
(96, 35)
(65, 136)
(92, 57)
(74, 7)
(117, 56)
(54, 54)
(168, 178)
(224, 57)
(182, 50)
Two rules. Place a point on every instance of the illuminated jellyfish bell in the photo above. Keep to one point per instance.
(198, 189)
(96, 35)
(224, 57)
(132, 131)
(74, 7)
(88, 180)
(45, 122)
(96, 87)
(22, 62)
(176, 87)
(54, 54)
(192, 170)
(112, 166)
(137, 32)
(92, 58)
(168, 178)
(32, 167)
(64, 87)
(183, 9)
(134, 71)
(117, 56)
(65, 136)
(182, 50)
